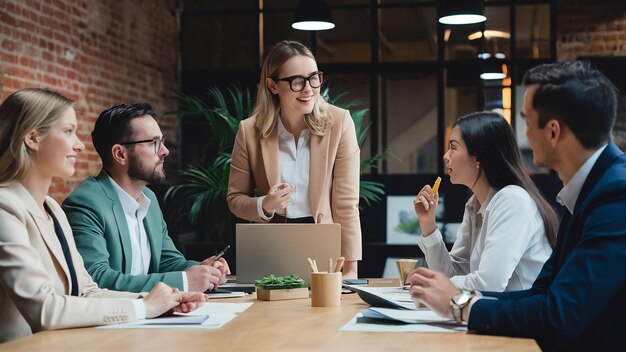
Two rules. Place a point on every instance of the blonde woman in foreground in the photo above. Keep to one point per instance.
(43, 283)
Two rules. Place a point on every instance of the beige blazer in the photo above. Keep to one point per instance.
(334, 176)
(34, 277)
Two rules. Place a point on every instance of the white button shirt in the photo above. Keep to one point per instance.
(500, 247)
(570, 192)
(294, 170)
(135, 211)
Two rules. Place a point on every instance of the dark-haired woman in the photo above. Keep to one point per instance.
(507, 229)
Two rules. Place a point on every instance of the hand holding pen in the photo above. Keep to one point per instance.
(219, 263)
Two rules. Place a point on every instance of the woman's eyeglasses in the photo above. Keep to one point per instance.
(158, 142)
(297, 83)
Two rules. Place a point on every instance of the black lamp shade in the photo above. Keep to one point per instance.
(312, 15)
(456, 12)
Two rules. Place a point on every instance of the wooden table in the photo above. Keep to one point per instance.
(291, 325)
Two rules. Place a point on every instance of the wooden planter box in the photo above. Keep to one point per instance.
(275, 295)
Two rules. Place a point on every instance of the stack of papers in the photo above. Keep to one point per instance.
(225, 294)
(209, 316)
(401, 320)
(388, 297)
(393, 309)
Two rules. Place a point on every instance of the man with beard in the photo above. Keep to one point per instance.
(116, 220)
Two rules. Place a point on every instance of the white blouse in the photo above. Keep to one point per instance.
(500, 247)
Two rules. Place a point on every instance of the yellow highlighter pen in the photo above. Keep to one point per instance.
(436, 185)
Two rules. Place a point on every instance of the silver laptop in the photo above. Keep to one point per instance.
(283, 249)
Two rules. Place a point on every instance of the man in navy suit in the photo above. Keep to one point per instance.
(578, 301)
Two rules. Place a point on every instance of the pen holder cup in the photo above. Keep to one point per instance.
(325, 289)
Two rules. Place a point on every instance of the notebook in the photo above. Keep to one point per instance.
(283, 249)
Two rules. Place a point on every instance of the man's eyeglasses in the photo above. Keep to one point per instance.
(157, 141)
(297, 83)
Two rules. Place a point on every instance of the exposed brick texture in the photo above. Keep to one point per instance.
(588, 28)
(97, 52)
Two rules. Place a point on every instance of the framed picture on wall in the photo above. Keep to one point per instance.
(402, 222)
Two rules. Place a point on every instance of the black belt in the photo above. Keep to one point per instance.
(279, 219)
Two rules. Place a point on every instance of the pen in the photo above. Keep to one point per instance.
(436, 185)
(311, 265)
(221, 253)
(339, 264)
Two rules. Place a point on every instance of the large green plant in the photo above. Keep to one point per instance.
(200, 198)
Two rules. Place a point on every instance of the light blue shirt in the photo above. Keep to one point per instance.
(569, 193)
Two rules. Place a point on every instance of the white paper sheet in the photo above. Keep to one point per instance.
(218, 315)
(232, 294)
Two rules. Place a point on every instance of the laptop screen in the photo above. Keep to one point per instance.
(283, 249)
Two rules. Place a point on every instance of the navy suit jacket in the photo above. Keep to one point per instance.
(578, 301)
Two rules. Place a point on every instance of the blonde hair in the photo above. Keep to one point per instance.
(267, 104)
(20, 113)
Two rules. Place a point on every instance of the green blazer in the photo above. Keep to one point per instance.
(101, 233)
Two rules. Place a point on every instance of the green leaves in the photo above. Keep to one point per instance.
(200, 198)
(369, 191)
(272, 282)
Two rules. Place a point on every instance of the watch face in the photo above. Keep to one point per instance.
(462, 297)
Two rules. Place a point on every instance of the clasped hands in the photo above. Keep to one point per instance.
(163, 299)
(277, 198)
(207, 275)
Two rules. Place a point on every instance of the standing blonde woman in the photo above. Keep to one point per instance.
(296, 159)
(43, 284)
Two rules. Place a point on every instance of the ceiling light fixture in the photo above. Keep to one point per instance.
(457, 12)
(312, 15)
(493, 69)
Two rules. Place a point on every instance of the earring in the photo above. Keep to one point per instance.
(477, 166)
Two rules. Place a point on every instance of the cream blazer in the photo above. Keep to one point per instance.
(34, 277)
(334, 176)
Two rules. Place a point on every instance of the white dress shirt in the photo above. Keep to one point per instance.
(569, 193)
(135, 210)
(500, 246)
(294, 170)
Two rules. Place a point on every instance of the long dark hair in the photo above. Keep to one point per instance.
(490, 139)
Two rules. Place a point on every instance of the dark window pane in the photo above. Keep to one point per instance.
(411, 117)
(349, 41)
(356, 89)
(278, 27)
(206, 41)
(408, 34)
(532, 31)
(220, 5)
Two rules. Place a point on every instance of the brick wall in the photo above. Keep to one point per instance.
(591, 28)
(97, 52)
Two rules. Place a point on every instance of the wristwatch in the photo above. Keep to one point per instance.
(459, 301)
